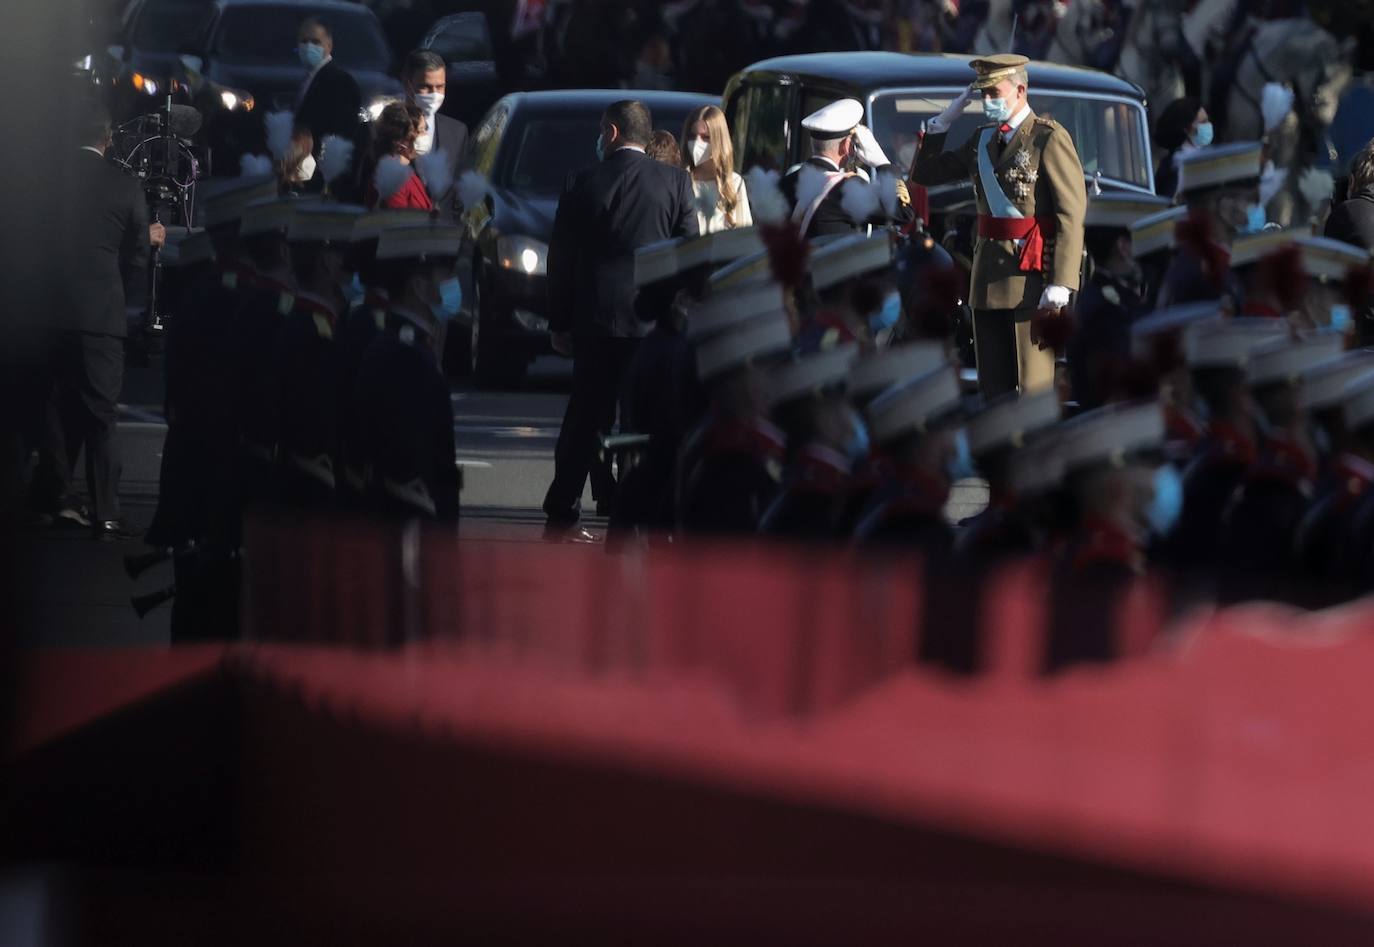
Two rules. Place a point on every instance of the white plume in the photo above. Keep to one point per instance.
(766, 201)
(472, 189)
(811, 182)
(859, 199)
(1276, 101)
(1316, 186)
(391, 176)
(336, 157)
(1271, 182)
(255, 166)
(885, 182)
(280, 125)
(433, 169)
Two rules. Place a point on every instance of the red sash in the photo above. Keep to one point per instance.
(1033, 230)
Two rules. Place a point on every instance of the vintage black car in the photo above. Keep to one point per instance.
(766, 102)
(526, 147)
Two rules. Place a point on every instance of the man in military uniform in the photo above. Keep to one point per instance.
(402, 403)
(305, 358)
(1031, 201)
(816, 188)
(1221, 187)
(1101, 345)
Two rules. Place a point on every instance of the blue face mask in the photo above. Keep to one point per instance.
(601, 147)
(960, 466)
(1254, 219)
(355, 290)
(312, 54)
(886, 317)
(857, 447)
(450, 299)
(1164, 510)
(1202, 135)
(999, 110)
(1340, 317)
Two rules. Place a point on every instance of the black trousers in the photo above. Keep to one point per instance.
(86, 375)
(599, 367)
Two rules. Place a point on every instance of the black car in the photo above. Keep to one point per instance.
(766, 102)
(249, 46)
(526, 146)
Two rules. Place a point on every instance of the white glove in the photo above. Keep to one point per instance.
(1054, 297)
(867, 147)
(941, 123)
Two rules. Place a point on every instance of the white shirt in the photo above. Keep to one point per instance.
(311, 78)
(639, 148)
(1015, 122)
(708, 196)
(828, 160)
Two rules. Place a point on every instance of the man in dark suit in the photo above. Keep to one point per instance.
(108, 237)
(425, 77)
(605, 213)
(330, 101)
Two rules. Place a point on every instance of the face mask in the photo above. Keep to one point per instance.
(601, 147)
(887, 317)
(430, 102)
(1202, 135)
(305, 171)
(856, 448)
(1254, 219)
(960, 466)
(355, 291)
(700, 150)
(996, 109)
(1164, 509)
(1340, 317)
(450, 298)
(312, 54)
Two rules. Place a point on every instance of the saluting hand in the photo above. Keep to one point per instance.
(945, 119)
(157, 235)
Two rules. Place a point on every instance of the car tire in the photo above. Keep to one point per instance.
(489, 368)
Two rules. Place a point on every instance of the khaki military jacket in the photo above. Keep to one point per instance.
(1040, 172)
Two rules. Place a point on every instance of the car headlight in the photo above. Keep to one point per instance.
(523, 255)
(83, 64)
(234, 100)
(145, 84)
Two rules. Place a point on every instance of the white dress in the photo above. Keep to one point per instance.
(708, 195)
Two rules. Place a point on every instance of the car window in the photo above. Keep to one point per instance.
(545, 150)
(463, 37)
(167, 25)
(486, 141)
(762, 127)
(1109, 136)
(266, 36)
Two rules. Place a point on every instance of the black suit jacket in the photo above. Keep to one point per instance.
(331, 105)
(604, 214)
(105, 222)
(451, 137)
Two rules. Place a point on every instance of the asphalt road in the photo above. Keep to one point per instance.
(80, 592)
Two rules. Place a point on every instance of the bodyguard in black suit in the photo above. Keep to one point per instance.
(425, 77)
(605, 213)
(105, 220)
(330, 102)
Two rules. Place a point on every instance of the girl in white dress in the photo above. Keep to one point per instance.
(722, 203)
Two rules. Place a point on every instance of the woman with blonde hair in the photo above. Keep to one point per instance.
(722, 203)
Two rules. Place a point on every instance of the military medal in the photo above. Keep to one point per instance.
(1023, 177)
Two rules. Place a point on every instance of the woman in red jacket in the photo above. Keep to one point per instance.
(393, 136)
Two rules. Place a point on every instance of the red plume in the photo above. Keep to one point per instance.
(1282, 274)
(1194, 233)
(932, 316)
(1359, 286)
(788, 252)
(1051, 328)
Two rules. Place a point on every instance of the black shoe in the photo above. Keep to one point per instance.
(73, 515)
(116, 531)
(554, 533)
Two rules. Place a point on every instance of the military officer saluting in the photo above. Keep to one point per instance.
(1031, 201)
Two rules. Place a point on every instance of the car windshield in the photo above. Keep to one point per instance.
(266, 36)
(1109, 135)
(546, 150)
(164, 26)
(462, 37)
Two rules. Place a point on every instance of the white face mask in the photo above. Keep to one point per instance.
(430, 102)
(306, 171)
(700, 150)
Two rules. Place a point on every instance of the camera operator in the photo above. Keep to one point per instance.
(108, 235)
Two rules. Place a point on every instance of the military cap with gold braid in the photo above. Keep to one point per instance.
(1008, 420)
(873, 374)
(1111, 436)
(834, 120)
(1220, 166)
(667, 258)
(1325, 385)
(1228, 343)
(428, 242)
(991, 70)
(1121, 209)
(1253, 247)
(1327, 259)
(912, 407)
(371, 225)
(270, 216)
(726, 310)
(1287, 361)
(848, 257)
(810, 375)
(758, 337)
(222, 200)
(1156, 232)
(1359, 402)
(331, 224)
(187, 247)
